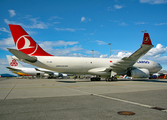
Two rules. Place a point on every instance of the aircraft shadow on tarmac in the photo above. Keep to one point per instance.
(67, 81)
(77, 80)
(144, 80)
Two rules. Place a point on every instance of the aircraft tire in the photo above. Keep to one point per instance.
(95, 79)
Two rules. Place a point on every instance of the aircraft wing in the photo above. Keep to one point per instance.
(45, 71)
(22, 56)
(131, 60)
(13, 69)
(128, 62)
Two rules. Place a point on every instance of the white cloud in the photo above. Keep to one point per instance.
(65, 29)
(36, 23)
(83, 19)
(115, 7)
(68, 29)
(67, 51)
(140, 23)
(123, 24)
(4, 30)
(77, 55)
(103, 56)
(55, 17)
(157, 51)
(154, 1)
(12, 13)
(11, 22)
(7, 42)
(118, 6)
(92, 52)
(56, 22)
(64, 43)
(101, 42)
(161, 24)
(49, 47)
(57, 43)
(3, 61)
(3, 64)
(121, 55)
(93, 32)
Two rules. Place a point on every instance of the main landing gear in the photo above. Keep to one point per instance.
(113, 78)
(95, 79)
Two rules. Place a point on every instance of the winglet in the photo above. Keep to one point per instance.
(146, 39)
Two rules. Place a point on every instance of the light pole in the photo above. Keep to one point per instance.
(93, 53)
(110, 48)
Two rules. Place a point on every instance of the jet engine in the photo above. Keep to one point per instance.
(55, 75)
(139, 73)
(46, 75)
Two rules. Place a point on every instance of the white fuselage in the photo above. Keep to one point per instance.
(30, 71)
(81, 65)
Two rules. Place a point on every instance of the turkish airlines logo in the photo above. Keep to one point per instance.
(26, 44)
(146, 40)
(14, 63)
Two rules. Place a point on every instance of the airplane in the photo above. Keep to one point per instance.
(16, 64)
(18, 68)
(30, 52)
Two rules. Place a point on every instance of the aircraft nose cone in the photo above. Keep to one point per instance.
(160, 67)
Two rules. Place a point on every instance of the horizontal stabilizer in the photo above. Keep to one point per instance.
(20, 55)
(13, 69)
(44, 70)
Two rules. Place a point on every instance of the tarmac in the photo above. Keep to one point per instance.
(82, 99)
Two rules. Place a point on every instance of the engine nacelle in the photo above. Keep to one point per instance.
(46, 75)
(139, 73)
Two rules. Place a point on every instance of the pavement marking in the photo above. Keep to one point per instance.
(54, 86)
(164, 110)
(11, 90)
(120, 100)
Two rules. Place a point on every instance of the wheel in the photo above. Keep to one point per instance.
(115, 79)
(92, 79)
(98, 79)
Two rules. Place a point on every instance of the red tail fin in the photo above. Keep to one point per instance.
(25, 43)
(146, 39)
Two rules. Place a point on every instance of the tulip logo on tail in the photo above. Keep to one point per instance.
(14, 63)
(26, 44)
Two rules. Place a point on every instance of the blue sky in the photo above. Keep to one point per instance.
(76, 27)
